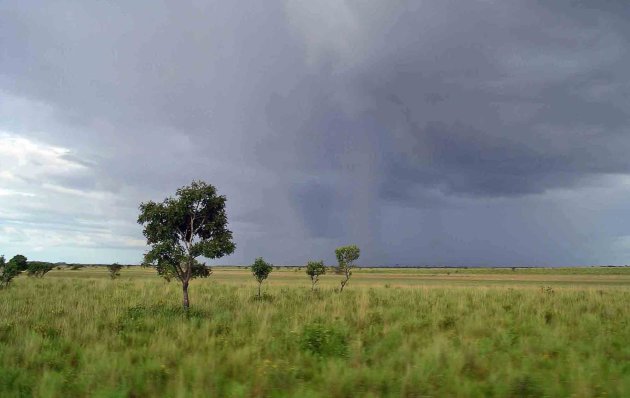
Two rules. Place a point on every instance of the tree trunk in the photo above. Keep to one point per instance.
(185, 289)
(259, 284)
(343, 282)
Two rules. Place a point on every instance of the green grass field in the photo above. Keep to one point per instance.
(411, 333)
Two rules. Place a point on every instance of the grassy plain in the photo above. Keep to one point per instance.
(412, 333)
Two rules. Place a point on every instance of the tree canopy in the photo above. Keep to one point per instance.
(20, 262)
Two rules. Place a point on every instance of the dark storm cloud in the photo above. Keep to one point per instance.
(514, 114)
(317, 205)
(320, 120)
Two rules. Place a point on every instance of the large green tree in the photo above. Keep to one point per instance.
(182, 228)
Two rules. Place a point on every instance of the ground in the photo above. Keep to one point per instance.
(429, 332)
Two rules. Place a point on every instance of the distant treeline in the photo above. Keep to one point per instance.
(77, 265)
(81, 265)
(446, 266)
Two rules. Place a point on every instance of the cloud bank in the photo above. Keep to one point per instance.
(435, 132)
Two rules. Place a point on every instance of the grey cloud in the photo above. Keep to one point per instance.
(471, 142)
(317, 206)
(320, 120)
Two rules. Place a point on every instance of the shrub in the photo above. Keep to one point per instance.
(346, 256)
(114, 270)
(323, 340)
(314, 269)
(38, 268)
(525, 387)
(8, 271)
(261, 270)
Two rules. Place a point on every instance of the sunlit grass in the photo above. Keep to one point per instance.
(77, 333)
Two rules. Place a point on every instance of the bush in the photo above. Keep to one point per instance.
(314, 269)
(261, 270)
(323, 340)
(114, 270)
(346, 256)
(525, 387)
(38, 268)
(8, 271)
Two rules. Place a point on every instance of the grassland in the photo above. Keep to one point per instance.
(406, 333)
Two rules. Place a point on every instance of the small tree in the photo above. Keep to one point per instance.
(114, 270)
(314, 269)
(346, 256)
(39, 268)
(20, 262)
(261, 270)
(8, 271)
(180, 229)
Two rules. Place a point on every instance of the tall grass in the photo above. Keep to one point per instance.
(62, 336)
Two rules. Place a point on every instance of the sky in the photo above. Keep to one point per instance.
(436, 132)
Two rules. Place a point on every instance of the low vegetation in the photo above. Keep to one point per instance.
(74, 334)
